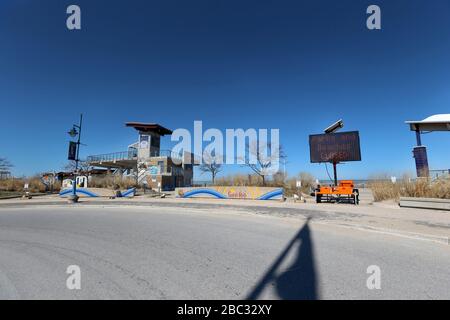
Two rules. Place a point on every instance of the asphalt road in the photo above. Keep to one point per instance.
(167, 253)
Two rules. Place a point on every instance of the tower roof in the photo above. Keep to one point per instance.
(149, 127)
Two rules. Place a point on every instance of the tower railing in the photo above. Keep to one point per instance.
(165, 153)
(115, 156)
(131, 154)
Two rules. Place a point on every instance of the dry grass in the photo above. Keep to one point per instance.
(239, 180)
(278, 180)
(308, 182)
(113, 182)
(383, 189)
(35, 185)
(12, 185)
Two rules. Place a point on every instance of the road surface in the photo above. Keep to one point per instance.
(169, 253)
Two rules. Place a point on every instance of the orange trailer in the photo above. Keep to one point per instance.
(344, 192)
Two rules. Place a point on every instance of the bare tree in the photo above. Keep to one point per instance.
(264, 158)
(279, 178)
(5, 168)
(5, 165)
(83, 166)
(211, 164)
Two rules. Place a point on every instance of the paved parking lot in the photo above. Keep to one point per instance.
(197, 253)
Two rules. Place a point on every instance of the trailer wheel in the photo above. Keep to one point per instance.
(355, 198)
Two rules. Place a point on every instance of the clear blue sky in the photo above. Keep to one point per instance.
(293, 65)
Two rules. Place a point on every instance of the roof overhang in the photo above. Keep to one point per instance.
(438, 122)
(149, 127)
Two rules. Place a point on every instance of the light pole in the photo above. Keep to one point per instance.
(74, 155)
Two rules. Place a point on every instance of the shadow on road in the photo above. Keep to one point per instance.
(298, 281)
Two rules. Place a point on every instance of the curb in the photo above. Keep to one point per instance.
(425, 203)
(393, 232)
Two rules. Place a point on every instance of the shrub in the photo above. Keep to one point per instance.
(35, 185)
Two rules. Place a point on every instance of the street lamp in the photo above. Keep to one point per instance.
(73, 132)
(74, 152)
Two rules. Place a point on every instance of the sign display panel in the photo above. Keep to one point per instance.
(335, 147)
(72, 155)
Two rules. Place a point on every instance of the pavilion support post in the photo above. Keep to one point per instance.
(418, 138)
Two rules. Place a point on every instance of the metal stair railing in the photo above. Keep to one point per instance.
(115, 156)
